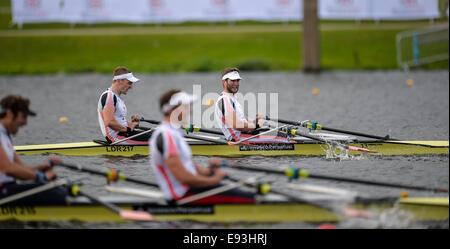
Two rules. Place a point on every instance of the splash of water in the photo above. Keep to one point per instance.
(339, 153)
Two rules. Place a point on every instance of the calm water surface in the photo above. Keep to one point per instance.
(370, 102)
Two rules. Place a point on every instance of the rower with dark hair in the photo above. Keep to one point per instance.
(230, 116)
(112, 112)
(171, 158)
(13, 115)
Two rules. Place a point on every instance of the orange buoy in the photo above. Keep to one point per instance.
(209, 102)
(63, 119)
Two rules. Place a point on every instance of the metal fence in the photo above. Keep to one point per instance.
(419, 47)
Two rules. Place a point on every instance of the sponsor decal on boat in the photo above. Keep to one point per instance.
(267, 146)
(201, 209)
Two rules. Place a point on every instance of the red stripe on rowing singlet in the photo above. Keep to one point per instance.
(172, 148)
(110, 100)
(230, 130)
(169, 183)
(106, 129)
(229, 109)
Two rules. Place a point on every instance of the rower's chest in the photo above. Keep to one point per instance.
(121, 109)
(7, 146)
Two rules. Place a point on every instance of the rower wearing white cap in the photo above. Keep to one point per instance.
(112, 111)
(171, 157)
(230, 116)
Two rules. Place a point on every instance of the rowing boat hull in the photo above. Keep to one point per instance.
(208, 149)
(423, 209)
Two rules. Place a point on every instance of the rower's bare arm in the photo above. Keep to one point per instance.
(43, 166)
(231, 118)
(187, 178)
(110, 120)
(15, 169)
(203, 171)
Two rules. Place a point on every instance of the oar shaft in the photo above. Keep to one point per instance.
(212, 192)
(101, 173)
(297, 198)
(283, 121)
(125, 214)
(110, 206)
(33, 191)
(356, 133)
(366, 182)
(203, 130)
(218, 141)
(191, 129)
(151, 121)
(331, 129)
(131, 137)
(303, 134)
(342, 179)
(262, 133)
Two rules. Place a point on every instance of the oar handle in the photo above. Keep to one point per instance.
(134, 136)
(150, 121)
(192, 128)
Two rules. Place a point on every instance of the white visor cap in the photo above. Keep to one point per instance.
(232, 76)
(180, 98)
(128, 76)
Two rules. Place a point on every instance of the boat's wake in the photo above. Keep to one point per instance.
(339, 153)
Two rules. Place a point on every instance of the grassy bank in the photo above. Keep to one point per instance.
(342, 49)
(344, 45)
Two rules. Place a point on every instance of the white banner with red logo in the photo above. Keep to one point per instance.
(405, 9)
(167, 11)
(345, 9)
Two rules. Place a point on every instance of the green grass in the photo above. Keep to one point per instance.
(355, 49)
(359, 49)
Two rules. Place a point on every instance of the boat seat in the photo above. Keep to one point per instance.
(102, 142)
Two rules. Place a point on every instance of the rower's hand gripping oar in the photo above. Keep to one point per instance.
(131, 137)
(75, 190)
(316, 126)
(296, 173)
(255, 136)
(111, 175)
